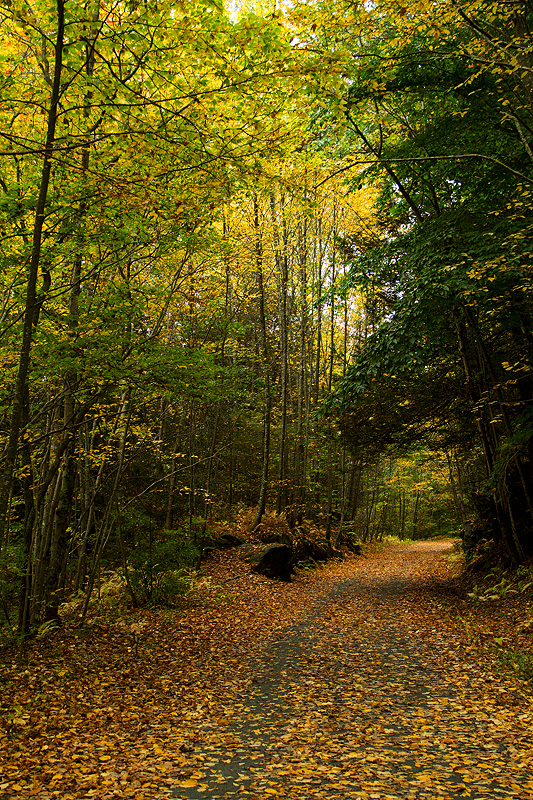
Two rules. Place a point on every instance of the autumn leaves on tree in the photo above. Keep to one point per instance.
(269, 257)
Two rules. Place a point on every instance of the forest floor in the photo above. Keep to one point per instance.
(372, 677)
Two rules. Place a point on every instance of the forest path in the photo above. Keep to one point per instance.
(370, 693)
(370, 677)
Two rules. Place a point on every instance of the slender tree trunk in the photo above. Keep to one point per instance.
(414, 524)
(281, 258)
(475, 399)
(32, 301)
(169, 518)
(506, 527)
(210, 460)
(300, 464)
(86, 507)
(403, 512)
(354, 487)
(28, 576)
(193, 460)
(281, 498)
(263, 491)
(369, 516)
(330, 363)
(456, 490)
(330, 490)
(525, 478)
(318, 342)
(231, 477)
(123, 422)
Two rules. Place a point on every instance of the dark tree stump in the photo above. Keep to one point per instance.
(227, 540)
(269, 537)
(312, 551)
(274, 561)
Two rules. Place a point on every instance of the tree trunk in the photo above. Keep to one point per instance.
(263, 491)
(282, 269)
(32, 302)
(300, 466)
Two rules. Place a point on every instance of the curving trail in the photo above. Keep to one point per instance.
(369, 694)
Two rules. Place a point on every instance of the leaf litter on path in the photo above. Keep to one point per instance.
(372, 696)
(353, 681)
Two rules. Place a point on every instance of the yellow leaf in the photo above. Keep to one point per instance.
(188, 784)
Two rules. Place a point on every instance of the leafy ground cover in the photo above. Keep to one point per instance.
(374, 677)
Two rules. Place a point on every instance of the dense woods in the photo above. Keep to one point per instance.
(260, 258)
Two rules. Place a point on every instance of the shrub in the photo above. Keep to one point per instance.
(160, 572)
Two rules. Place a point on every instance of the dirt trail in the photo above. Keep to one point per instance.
(369, 694)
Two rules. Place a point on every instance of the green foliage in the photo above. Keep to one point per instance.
(47, 628)
(11, 569)
(160, 571)
(393, 539)
(519, 664)
(446, 277)
(306, 565)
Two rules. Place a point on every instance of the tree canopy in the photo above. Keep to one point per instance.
(252, 257)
